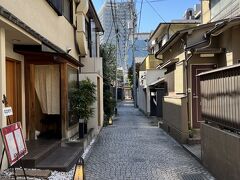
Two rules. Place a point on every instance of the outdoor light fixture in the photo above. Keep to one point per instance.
(79, 170)
(68, 49)
(110, 122)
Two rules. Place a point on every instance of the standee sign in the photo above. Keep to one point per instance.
(14, 142)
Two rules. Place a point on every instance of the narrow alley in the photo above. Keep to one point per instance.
(134, 149)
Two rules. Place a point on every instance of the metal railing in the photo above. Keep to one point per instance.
(220, 97)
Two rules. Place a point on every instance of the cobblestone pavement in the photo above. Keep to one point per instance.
(133, 149)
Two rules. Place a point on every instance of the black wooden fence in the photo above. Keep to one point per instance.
(220, 97)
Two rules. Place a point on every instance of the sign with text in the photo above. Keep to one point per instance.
(14, 142)
(7, 111)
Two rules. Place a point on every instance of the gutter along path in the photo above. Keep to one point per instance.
(134, 149)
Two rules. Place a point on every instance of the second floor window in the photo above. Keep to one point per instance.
(56, 5)
(67, 10)
(63, 8)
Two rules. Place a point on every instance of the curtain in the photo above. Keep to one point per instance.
(47, 86)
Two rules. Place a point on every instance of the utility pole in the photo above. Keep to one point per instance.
(116, 85)
(117, 59)
(133, 18)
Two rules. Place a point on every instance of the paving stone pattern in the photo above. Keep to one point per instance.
(133, 149)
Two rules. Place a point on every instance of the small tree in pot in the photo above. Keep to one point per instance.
(82, 100)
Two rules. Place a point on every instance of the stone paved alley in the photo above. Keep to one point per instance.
(134, 149)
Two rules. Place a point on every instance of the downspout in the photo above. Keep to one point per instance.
(207, 36)
(169, 26)
(82, 8)
(81, 13)
(187, 84)
(77, 2)
(78, 51)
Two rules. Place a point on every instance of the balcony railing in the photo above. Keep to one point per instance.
(220, 97)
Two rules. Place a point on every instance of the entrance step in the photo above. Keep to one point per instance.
(63, 158)
(52, 154)
(194, 150)
(33, 173)
(196, 139)
(38, 150)
(192, 141)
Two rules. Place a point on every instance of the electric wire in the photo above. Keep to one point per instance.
(110, 32)
(158, 14)
(140, 16)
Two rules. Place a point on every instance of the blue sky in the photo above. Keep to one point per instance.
(168, 10)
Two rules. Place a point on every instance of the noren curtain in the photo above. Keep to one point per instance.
(47, 86)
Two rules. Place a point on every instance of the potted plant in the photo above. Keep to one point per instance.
(190, 133)
(109, 105)
(82, 100)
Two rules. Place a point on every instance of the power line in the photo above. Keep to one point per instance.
(109, 33)
(140, 16)
(113, 17)
(155, 10)
(158, 14)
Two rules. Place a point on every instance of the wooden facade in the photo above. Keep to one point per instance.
(220, 97)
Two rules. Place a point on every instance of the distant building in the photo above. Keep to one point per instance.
(213, 11)
(122, 13)
(191, 15)
(141, 48)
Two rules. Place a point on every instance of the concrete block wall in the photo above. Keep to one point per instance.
(220, 152)
(175, 120)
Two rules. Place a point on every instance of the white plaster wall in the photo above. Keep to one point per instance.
(3, 121)
(148, 101)
(41, 17)
(93, 121)
(153, 75)
(72, 131)
(92, 65)
(141, 99)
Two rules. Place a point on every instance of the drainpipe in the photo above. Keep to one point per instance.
(76, 45)
(169, 26)
(208, 36)
(187, 84)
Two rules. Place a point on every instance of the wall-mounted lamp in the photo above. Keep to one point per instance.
(79, 170)
(110, 122)
(69, 49)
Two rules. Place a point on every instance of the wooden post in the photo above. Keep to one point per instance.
(31, 102)
(3, 120)
(64, 97)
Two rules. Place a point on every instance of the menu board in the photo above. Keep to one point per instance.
(14, 142)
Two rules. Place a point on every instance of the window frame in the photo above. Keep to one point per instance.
(60, 10)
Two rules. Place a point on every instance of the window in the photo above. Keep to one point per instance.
(67, 10)
(63, 7)
(72, 85)
(57, 5)
(88, 36)
(93, 39)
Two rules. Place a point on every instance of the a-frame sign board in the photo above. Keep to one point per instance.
(14, 143)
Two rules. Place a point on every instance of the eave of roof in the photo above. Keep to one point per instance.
(15, 20)
(180, 33)
(170, 23)
(161, 80)
(219, 69)
(96, 18)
